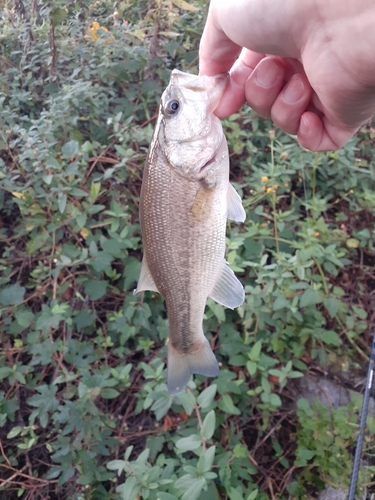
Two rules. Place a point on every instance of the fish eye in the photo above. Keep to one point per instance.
(172, 107)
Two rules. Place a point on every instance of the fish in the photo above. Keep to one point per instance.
(186, 199)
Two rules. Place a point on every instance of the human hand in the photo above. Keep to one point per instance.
(307, 65)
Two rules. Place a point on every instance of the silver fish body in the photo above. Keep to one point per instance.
(185, 201)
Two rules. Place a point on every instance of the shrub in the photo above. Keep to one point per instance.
(84, 410)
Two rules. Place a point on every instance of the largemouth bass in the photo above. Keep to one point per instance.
(186, 199)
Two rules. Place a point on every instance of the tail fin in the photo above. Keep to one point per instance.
(180, 367)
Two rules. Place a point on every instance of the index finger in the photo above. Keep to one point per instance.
(217, 53)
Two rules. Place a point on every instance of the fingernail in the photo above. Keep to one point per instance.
(294, 91)
(267, 73)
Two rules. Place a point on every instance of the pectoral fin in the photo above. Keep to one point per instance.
(236, 211)
(146, 281)
(228, 290)
(181, 367)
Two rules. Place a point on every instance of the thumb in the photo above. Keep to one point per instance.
(261, 26)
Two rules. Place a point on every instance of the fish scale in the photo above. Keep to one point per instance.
(185, 201)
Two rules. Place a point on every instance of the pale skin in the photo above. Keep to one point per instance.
(309, 65)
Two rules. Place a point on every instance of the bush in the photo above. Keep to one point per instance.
(84, 410)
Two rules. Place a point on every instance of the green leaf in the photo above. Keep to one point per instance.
(12, 295)
(275, 400)
(218, 310)
(131, 272)
(361, 313)
(81, 220)
(84, 319)
(19, 377)
(109, 393)
(131, 489)
(281, 303)
(61, 202)
(331, 338)
(162, 404)
(240, 451)
(128, 452)
(95, 190)
(70, 149)
(5, 371)
(206, 460)
(255, 351)
(234, 494)
(310, 297)
(194, 490)
(117, 465)
(14, 432)
(253, 495)
(187, 400)
(189, 443)
(101, 262)
(24, 318)
(206, 397)
(45, 402)
(96, 289)
(58, 15)
(226, 405)
(47, 319)
(252, 367)
(43, 352)
(208, 426)
(332, 305)
(305, 454)
(304, 405)
(165, 496)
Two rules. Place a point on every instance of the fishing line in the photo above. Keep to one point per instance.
(362, 425)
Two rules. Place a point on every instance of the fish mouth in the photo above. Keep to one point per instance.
(214, 86)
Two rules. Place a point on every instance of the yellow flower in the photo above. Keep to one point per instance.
(317, 234)
(275, 187)
(351, 191)
(93, 31)
(269, 190)
(264, 178)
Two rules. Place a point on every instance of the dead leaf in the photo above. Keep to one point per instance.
(184, 416)
(168, 423)
(18, 195)
(181, 4)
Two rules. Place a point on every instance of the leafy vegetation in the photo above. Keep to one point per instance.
(84, 409)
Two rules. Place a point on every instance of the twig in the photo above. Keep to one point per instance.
(3, 454)
(98, 158)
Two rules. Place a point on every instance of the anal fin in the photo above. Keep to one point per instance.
(236, 211)
(228, 290)
(146, 281)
